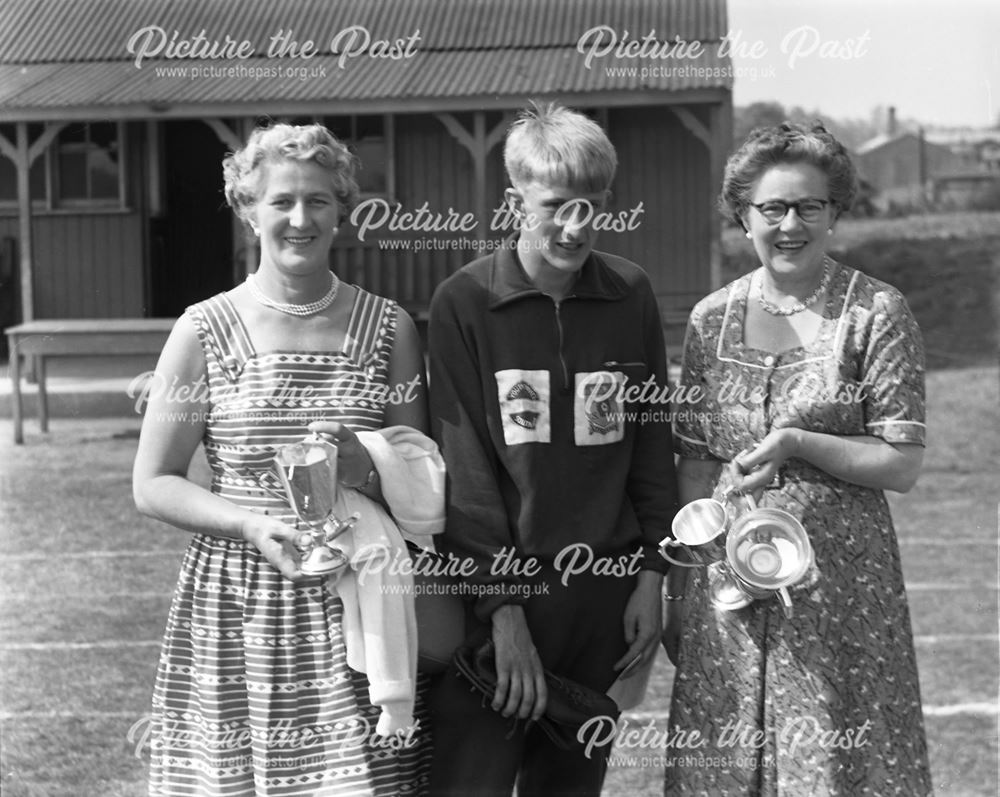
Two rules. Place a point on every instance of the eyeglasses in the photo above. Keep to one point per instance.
(774, 212)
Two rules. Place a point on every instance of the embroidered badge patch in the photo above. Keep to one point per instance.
(524, 406)
(598, 413)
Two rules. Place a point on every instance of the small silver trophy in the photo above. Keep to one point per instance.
(308, 473)
(750, 553)
(700, 531)
(768, 551)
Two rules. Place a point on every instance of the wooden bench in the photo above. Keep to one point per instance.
(76, 338)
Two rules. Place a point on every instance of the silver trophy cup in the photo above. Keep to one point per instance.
(700, 532)
(749, 553)
(308, 473)
(768, 552)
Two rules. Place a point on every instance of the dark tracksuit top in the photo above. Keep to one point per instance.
(536, 459)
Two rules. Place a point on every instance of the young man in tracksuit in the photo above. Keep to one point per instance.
(548, 383)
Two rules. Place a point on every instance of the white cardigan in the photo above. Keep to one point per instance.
(380, 629)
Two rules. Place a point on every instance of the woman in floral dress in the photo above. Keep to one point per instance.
(253, 694)
(805, 385)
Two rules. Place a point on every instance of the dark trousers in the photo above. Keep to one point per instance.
(578, 632)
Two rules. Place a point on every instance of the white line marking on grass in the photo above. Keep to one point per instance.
(33, 557)
(13, 597)
(924, 639)
(7, 716)
(958, 709)
(928, 586)
(103, 645)
(937, 639)
(979, 709)
(948, 541)
(954, 710)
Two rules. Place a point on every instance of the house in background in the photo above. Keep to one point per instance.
(956, 169)
(978, 184)
(966, 190)
(110, 175)
(980, 146)
(899, 164)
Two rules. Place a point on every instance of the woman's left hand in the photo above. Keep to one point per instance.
(353, 461)
(760, 465)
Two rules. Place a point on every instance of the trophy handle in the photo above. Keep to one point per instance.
(727, 496)
(340, 526)
(786, 601)
(670, 543)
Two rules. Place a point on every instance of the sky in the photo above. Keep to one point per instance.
(936, 62)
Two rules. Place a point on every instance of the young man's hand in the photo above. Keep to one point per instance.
(643, 619)
(521, 686)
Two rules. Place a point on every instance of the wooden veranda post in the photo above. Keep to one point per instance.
(479, 143)
(714, 136)
(23, 154)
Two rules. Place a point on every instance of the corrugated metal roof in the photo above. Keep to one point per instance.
(58, 54)
(36, 31)
(453, 74)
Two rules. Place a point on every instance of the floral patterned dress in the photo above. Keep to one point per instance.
(826, 702)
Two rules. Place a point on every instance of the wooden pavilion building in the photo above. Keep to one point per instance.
(115, 116)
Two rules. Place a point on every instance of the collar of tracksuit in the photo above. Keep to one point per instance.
(509, 282)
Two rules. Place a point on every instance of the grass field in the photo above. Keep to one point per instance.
(86, 582)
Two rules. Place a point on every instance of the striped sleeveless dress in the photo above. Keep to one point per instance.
(253, 694)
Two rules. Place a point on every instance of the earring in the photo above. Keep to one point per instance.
(336, 230)
(749, 236)
(830, 231)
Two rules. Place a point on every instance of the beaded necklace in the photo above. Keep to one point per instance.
(301, 310)
(798, 307)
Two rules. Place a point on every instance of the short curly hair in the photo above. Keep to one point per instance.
(278, 142)
(766, 147)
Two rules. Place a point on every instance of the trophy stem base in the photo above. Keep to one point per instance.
(726, 592)
(323, 561)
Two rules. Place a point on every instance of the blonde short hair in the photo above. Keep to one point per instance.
(242, 169)
(553, 144)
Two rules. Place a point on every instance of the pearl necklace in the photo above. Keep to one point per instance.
(301, 310)
(798, 307)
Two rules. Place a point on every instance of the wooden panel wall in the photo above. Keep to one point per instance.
(432, 168)
(90, 265)
(665, 167)
(86, 265)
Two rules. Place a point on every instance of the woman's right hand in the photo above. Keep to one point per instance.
(672, 626)
(276, 542)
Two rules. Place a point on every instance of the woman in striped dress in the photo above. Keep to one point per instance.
(253, 694)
